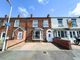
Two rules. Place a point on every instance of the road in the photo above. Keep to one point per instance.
(37, 55)
(40, 51)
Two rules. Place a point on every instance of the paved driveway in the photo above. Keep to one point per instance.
(38, 46)
(35, 46)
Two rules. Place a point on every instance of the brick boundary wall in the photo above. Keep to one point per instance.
(13, 42)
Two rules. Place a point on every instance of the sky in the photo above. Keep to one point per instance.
(40, 8)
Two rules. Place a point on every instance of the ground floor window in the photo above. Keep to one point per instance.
(74, 34)
(70, 34)
(59, 34)
(37, 34)
(62, 34)
(65, 33)
(78, 33)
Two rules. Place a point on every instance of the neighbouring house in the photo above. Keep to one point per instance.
(66, 27)
(28, 28)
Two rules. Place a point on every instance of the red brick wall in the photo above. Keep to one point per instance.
(27, 24)
(40, 25)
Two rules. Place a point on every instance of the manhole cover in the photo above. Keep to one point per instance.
(44, 52)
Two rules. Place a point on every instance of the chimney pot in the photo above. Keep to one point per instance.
(48, 15)
(18, 16)
(31, 15)
(6, 16)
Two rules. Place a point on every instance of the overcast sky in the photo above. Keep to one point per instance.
(41, 7)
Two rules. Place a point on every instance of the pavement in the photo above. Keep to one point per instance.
(39, 51)
(75, 47)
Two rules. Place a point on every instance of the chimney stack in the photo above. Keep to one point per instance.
(18, 16)
(48, 15)
(6, 16)
(31, 15)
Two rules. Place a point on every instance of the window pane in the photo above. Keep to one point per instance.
(35, 23)
(16, 23)
(73, 22)
(70, 34)
(65, 34)
(58, 33)
(62, 33)
(74, 34)
(60, 23)
(45, 23)
(77, 34)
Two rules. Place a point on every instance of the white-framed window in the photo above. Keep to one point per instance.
(45, 23)
(71, 35)
(74, 24)
(35, 23)
(16, 23)
(78, 33)
(74, 34)
(62, 34)
(60, 22)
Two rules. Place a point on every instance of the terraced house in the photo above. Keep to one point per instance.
(28, 28)
(66, 27)
(40, 28)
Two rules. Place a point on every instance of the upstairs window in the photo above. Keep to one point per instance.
(35, 23)
(74, 23)
(16, 23)
(60, 22)
(45, 23)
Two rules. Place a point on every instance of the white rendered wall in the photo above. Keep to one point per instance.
(78, 22)
(54, 23)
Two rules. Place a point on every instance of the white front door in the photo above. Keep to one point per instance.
(49, 36)
(19, 37)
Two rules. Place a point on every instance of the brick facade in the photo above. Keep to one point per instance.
(27, 25)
